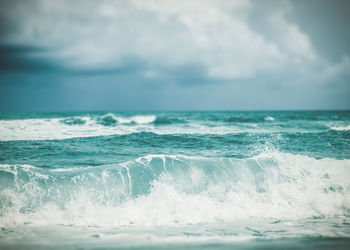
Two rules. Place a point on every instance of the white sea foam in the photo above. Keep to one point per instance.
(269, 118)
(57, 128)
(110, 124)
(341, 128)
(139, 119)
(185, 190)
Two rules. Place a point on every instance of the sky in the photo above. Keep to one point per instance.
(174, 55)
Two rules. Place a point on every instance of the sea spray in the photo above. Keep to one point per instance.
(171, 189)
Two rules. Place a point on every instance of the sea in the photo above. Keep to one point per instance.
(175, 180)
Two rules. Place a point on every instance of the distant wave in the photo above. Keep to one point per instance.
(241, 119)
(74, 127)
(176, 189)
(111, 119)
(247, 119)
(341, 128)
(111, 124)
(163, 120)
(70, 127)
(74, 121)
(269, 118)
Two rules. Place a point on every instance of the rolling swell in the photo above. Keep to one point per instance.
(102, 150)
(60, 126)
(166, 120)
(176, 189)
(73, 121)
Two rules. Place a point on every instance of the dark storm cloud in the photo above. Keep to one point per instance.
(22, 58)
(30, 59)
(175, 54)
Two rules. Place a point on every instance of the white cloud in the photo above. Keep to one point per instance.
(166, 34)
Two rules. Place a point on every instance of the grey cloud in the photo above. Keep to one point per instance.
(22, 58)
(213, 34)
(327, 24)
(205, 54)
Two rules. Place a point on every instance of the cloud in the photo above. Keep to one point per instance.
(164, 39)
(20, 58)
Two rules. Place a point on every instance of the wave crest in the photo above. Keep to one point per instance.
(341, 128)
(176, 189)
(111, 119)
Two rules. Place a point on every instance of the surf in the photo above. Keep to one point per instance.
(170, 190)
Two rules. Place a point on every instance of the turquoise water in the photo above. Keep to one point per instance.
(175, 180)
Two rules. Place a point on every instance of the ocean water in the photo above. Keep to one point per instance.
(175, 180)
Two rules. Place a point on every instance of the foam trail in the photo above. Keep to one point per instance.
(341, 128)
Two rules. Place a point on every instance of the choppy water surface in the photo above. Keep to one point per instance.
(170, 180)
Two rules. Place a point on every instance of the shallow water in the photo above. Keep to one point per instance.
(169, 180)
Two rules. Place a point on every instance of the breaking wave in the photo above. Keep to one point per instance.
(111, 124)
(111, 119)
(341, 128)
(176, 189)
(72, 127)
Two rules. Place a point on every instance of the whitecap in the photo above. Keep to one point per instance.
(269, 118)
(183, 190)
(341, 128)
